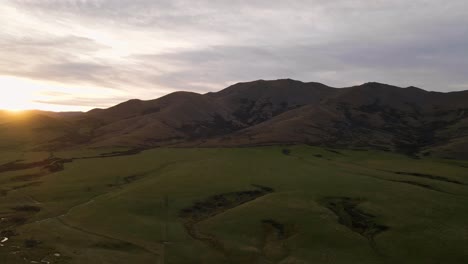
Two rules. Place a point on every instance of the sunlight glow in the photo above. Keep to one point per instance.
(23, 94)
(17, 95)
(15, 111)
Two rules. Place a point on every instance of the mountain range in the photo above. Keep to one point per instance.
(369, 116)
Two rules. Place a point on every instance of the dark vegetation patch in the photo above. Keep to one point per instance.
(8, 233)
(120, 181)
(428, 176)
(57, 165)
(118, 246)
(252, 112)
(205, 129)
(422, 185)
(13, 220)
(47, 166)
(334, 151)
(27, 208)
(407, 129)
(213, 206)
(286, 151)
(132, 178)
(156, 142)
(449, 158)
(50, 164)
(129, 152)
(16, 220)
(127, 179)
(279, 228)
(318, 155)
(219, 203)
(415, 183)
(31, 243)
(349, 215)
(15, 165)
(29, 184)
(26, 177)
(151, 110)
(20, 215)
(264, 188)
(275, 234)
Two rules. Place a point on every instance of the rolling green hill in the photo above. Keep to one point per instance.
(294, 204)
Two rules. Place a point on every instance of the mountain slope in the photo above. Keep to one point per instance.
(372, 115)
(30, 129)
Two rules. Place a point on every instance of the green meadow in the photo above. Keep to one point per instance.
(283, 204)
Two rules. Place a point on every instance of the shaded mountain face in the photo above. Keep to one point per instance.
(372, 115)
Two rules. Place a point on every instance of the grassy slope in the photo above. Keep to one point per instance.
(91, 213)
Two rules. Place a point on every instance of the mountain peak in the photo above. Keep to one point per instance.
(283, 111)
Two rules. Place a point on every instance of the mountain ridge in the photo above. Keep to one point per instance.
(368, 116)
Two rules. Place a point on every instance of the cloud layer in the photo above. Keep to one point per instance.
(146, 48)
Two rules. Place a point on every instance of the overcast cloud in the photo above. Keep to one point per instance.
(146, 48)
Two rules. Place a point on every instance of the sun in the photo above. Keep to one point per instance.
(21, 94)
(16, 106)
(15, 111)
(17, 96)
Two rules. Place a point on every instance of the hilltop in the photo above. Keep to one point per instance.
(368, 116)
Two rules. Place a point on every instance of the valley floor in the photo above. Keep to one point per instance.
(291, 204)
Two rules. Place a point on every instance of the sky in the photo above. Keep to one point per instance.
(75, 55)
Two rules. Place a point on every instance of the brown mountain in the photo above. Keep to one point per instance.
(372, 115)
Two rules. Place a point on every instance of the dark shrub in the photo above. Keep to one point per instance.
(286, 151)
